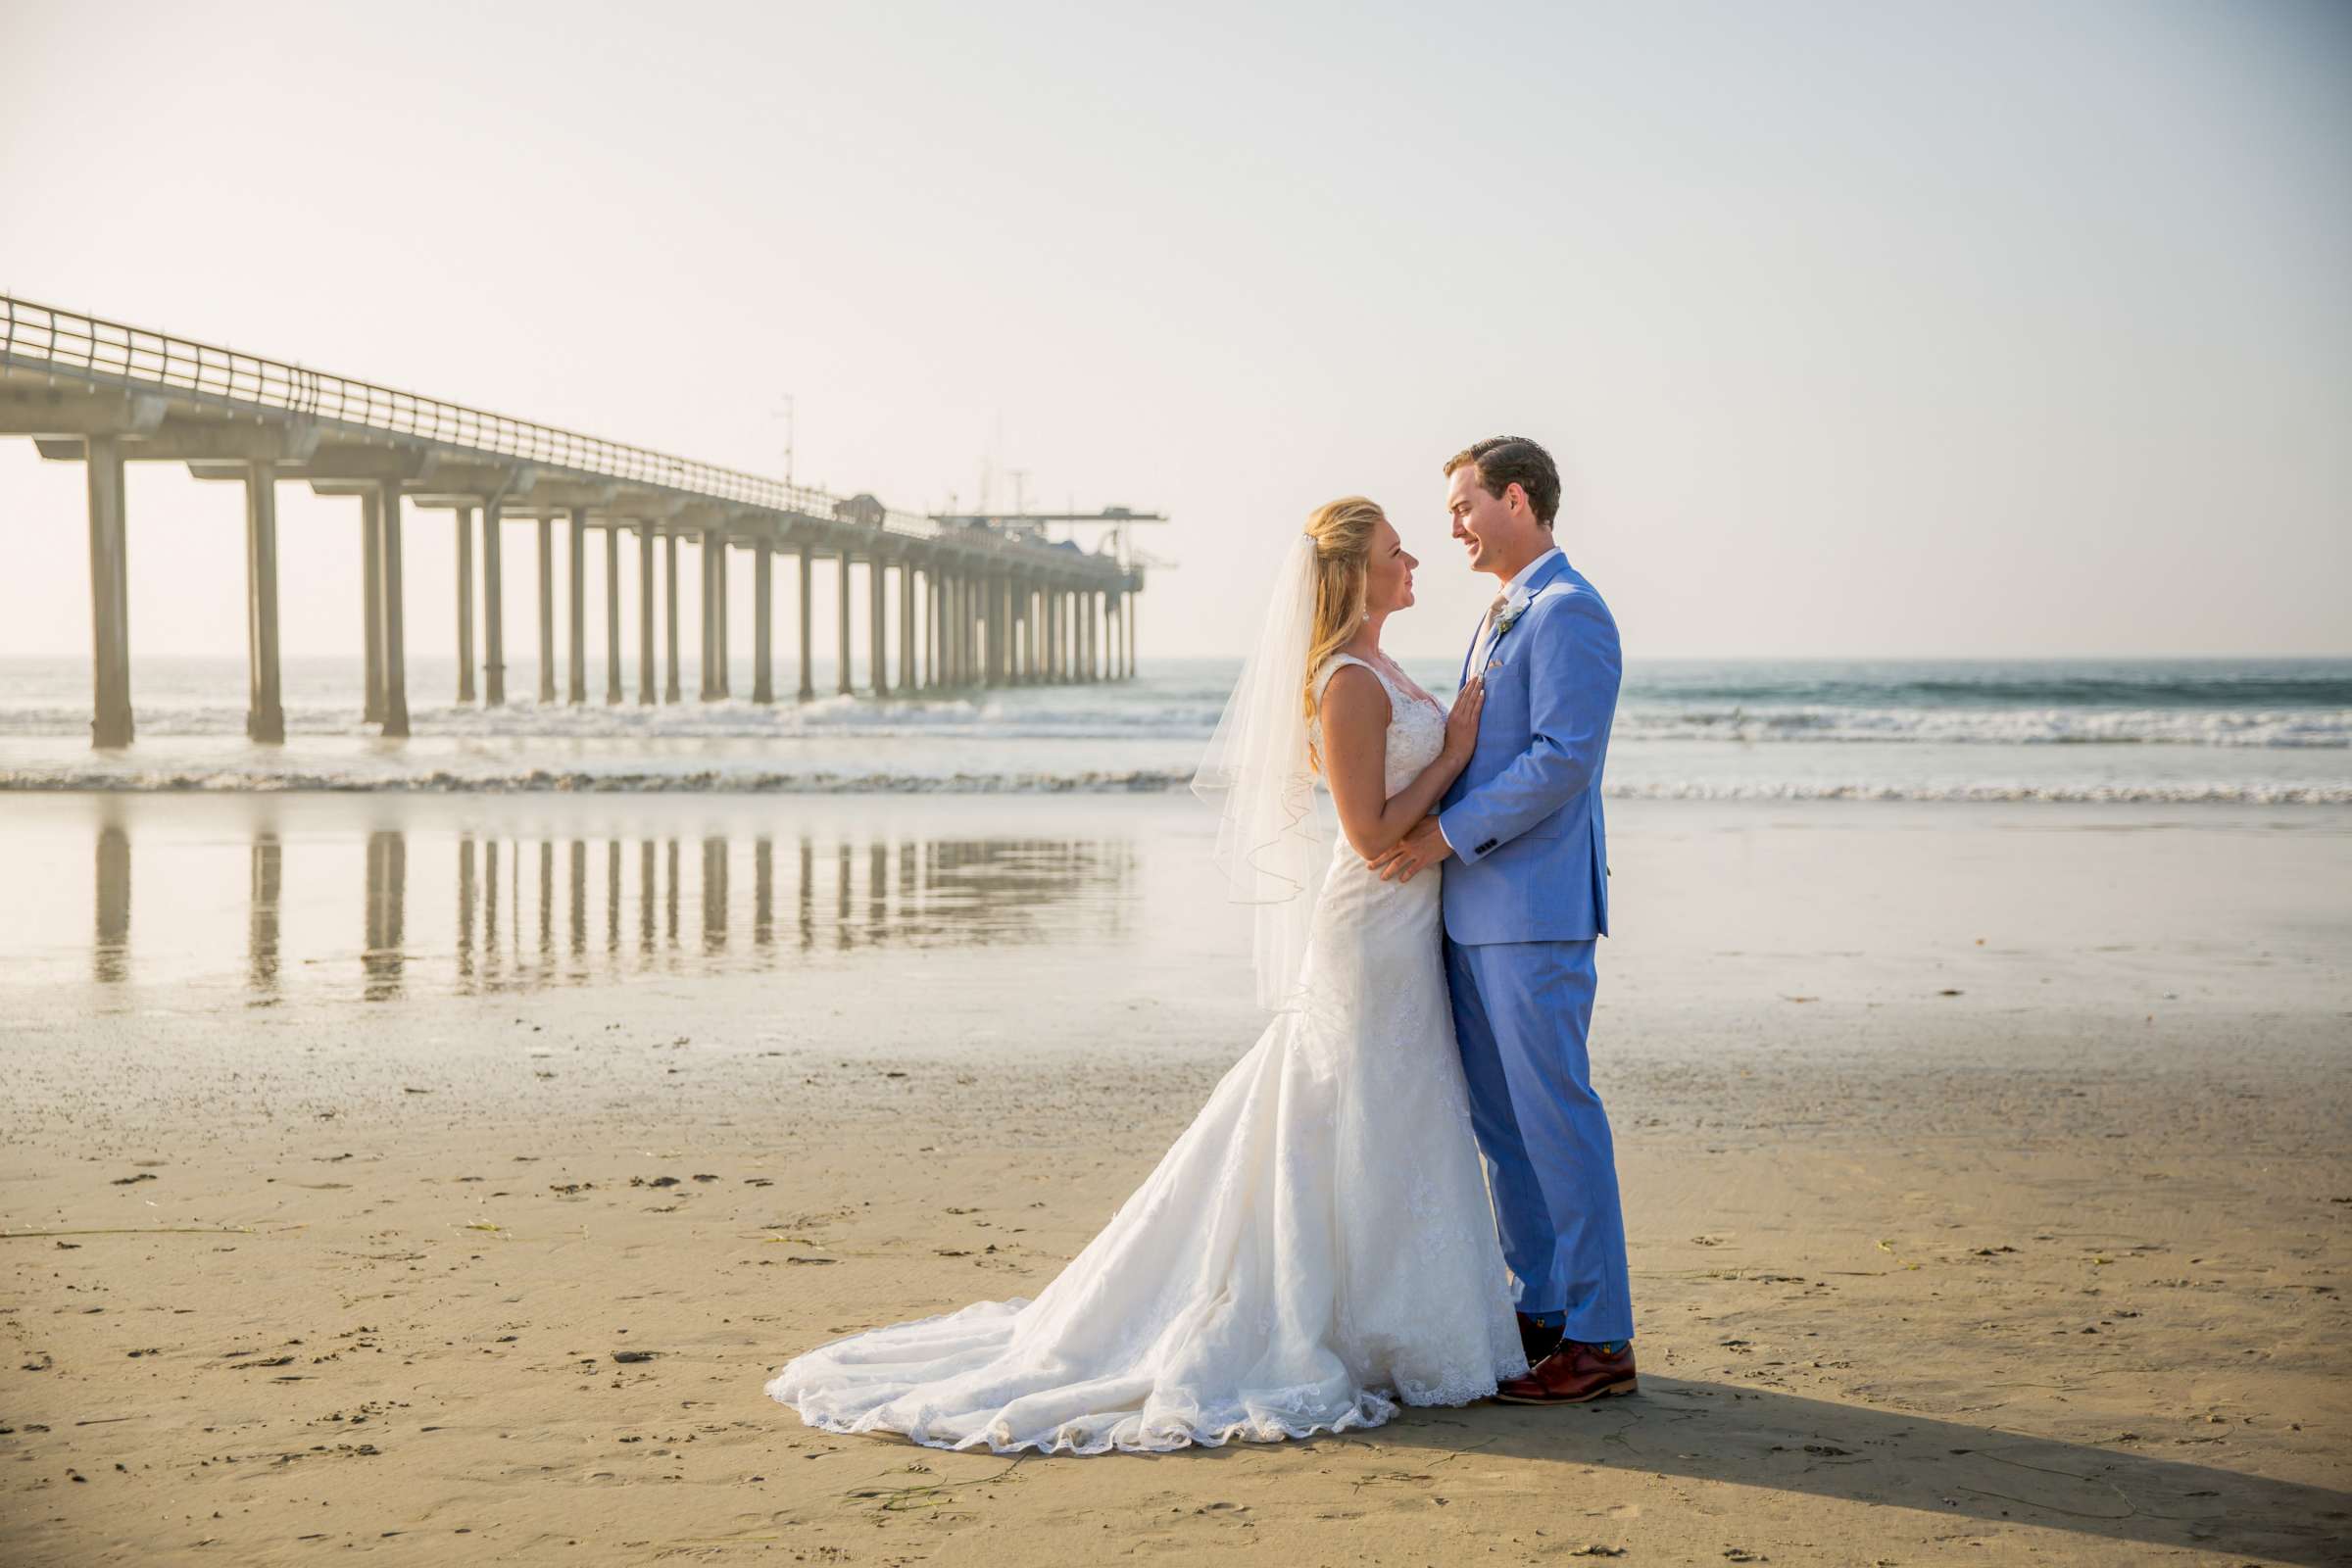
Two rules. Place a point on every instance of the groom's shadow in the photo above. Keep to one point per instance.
(1754, 1438)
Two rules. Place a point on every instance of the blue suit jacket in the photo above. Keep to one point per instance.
(1524, 818)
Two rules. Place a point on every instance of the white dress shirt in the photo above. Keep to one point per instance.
(1514, 592)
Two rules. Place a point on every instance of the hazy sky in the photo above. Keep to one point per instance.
(1860, 328)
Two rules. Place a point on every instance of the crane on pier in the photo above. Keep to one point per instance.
(1035, 526)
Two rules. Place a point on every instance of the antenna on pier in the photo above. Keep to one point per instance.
(791, 425)
(1119, 519)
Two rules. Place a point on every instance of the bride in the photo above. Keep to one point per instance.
(1317, 1246)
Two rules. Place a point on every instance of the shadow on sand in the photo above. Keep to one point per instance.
(1759, 1437)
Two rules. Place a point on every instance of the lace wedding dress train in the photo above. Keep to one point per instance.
(1314, 1248)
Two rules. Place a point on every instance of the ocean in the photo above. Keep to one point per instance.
(2261, 732)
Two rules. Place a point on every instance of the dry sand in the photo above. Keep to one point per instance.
(2048, 1269)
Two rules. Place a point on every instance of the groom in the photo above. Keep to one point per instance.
(1524, 904)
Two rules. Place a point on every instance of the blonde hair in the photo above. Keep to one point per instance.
(1342, 531)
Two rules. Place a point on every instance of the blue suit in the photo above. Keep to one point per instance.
(1524, 898)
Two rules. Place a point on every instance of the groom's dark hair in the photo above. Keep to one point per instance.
(1504, 460)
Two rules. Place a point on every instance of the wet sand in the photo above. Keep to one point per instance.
(1985, 1172)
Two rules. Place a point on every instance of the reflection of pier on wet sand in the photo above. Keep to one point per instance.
(556, 906)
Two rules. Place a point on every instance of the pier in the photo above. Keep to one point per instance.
(982, 601)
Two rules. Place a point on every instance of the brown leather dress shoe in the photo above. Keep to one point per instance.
(1573, 1374)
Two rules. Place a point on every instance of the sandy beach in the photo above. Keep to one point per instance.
(1985, 1172)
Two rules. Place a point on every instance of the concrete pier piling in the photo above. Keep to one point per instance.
(842, 576)
(494, 609)
(907, 680)
(611, 612)
(110, 595)
(547, 610)
(877, 627)
(808, 573)
(960, 631)
(393, 655)
(645, 615)
(764, 654)
(575, 628)
(967, 631)
(371, 610)
(669, 580)
(719, 644)
(926, 598)
(465, 533)
(941, 612)
(707, 691)
(265, 707)
(992, 627)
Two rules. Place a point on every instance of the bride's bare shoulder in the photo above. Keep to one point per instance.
(1352, 696)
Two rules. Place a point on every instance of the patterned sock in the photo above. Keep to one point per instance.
(1548, 1320)
(1613, 1348)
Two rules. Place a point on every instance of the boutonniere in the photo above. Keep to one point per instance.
(1509, 617)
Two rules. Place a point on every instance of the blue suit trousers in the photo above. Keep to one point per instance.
(1522, 1011)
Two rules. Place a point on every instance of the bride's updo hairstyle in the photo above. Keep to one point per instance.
(1343, 532)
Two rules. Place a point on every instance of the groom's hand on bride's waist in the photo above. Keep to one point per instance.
(1421, 848)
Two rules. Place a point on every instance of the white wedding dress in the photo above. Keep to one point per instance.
(1315, 1248)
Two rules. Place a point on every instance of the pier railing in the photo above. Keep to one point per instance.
(91, 349)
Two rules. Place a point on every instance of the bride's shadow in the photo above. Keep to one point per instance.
(1753, 1438)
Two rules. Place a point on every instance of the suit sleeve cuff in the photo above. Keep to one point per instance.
(1458, 838)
